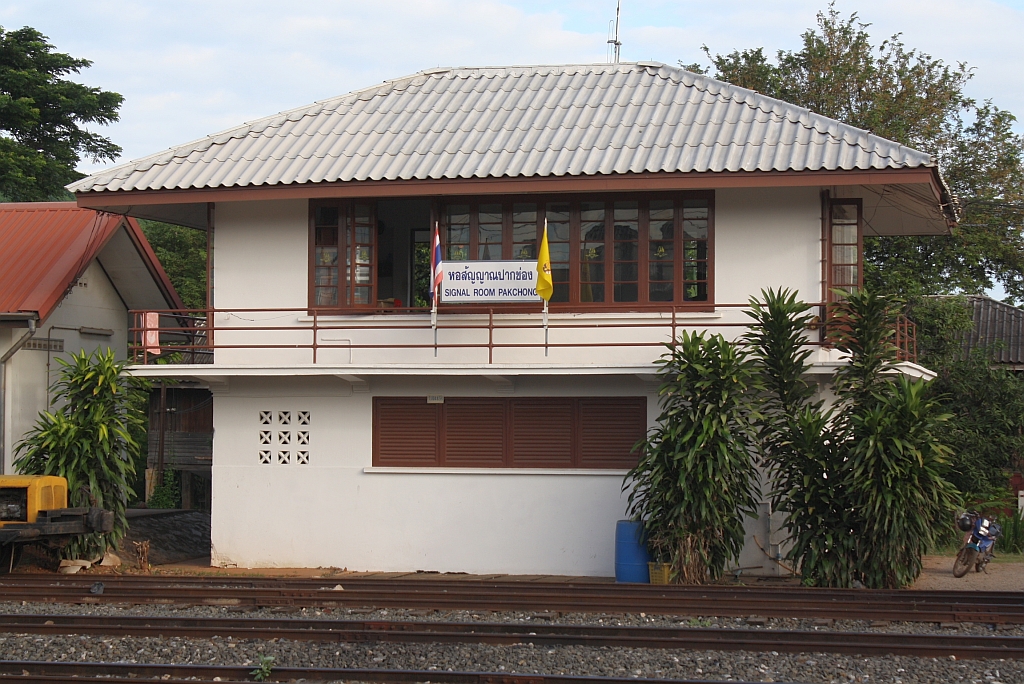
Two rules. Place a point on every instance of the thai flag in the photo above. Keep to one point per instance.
(436, 271)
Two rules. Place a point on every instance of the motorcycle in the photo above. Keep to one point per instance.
(979, 541)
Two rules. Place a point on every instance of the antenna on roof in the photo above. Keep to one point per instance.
(615, 42)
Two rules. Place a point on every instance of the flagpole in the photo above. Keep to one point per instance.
(433, 285)
(545, 301)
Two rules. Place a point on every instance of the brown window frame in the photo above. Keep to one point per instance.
(681, 266)
(512, 448)
(832, 244)
(349, 248)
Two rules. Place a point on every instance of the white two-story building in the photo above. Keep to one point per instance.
(352, 431)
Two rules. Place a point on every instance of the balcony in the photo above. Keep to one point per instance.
(411, 337)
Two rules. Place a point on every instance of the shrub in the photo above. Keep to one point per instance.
(91, 438)
(695, 480)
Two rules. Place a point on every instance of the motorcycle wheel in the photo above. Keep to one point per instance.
(964, 560)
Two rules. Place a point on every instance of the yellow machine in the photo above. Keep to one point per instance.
(34, 509)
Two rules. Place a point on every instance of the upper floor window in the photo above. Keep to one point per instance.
(612, 253)
(603, 252)
(845, 248)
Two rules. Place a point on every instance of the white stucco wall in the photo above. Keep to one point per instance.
(332, 512)
(92, 303)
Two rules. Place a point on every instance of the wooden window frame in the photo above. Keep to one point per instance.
(347, 266)
(506, 407)
(574, 305)
(831, 284)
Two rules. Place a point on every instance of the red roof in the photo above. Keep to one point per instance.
(46, 246)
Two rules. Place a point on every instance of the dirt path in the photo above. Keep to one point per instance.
(1004, 574)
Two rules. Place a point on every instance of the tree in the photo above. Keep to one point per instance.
(912, 98)
(182, 252)
(695, 479)
(41, 118)
(92, 438)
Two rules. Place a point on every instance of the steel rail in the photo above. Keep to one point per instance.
(992, 607)
(75, 673)
(504, 633)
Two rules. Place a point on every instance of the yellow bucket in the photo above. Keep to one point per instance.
(659, 572)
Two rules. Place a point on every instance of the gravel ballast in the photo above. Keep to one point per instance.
(812, 668)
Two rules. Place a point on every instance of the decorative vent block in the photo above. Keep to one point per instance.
(266, 417)
(284, 417)
(303, 417)
(265, 457)
(302, 457)
(285, 437)
(302, 436)
(284, 457)
(265, 436)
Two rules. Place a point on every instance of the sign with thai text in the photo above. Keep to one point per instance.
(489, 281)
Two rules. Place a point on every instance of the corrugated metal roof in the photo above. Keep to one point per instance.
(45, 246)
(999, 328)
(517, 122)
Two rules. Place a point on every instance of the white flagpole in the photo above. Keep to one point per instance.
(437, 291)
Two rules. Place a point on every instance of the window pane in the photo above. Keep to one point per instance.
(695, 230)
(558, 222)
(695, 270)
(592, 273)
(457, 235)
(661, 210)
(661, 292)
(695, 292)
(326, 256)
(844, 254)
(561, 291)
(326, 216)
(844, 234)
(326, 296)
(490, 213)
(327, 236)
(625, 251)
(560, 273)
(364, 255)
(363, 295)
(363, 275)
(524, 251)
(662, 271)
(662, 251)
(695, 250)
(844, 212)
(363, 235)
(458, 252)
(592, 211)
(591, 292)
(458, 213)
(559, 251)
(592, 251)
(362, 212)
(325, 276)
(695, 209)
(626, 292)
(626, 211)
(844, 275)
(524, 212)
(625, 272)
(626, 231)
(489, 252)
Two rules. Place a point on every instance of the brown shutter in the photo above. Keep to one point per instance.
(474, 432)
(405, 432)
(609, 428)
(542, 432)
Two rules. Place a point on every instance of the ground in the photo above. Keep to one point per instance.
(1005, 573)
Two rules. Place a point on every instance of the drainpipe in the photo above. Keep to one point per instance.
(3, 385)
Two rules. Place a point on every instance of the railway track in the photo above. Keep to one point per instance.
(505, 633)
(74, 673)
(484, 595)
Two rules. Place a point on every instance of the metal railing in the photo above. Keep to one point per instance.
(190, 336)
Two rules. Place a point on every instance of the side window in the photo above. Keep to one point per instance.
(845, 269)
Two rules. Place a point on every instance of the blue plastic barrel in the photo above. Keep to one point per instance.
(631, 553)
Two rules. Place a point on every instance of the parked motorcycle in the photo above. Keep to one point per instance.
(979, 542)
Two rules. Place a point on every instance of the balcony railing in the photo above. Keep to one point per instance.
(306, 336)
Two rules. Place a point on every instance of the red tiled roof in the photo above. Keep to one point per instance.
(46, 246)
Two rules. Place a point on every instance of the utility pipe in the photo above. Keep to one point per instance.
(3, 387)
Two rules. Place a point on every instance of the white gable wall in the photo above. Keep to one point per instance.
(92, 303)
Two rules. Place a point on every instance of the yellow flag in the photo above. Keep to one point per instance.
(545, 286)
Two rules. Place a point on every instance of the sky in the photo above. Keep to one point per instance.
(188, 69)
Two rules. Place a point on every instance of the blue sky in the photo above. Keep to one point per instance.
(190, 68)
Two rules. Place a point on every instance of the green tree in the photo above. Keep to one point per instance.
(182, 252)
(862, 483)
(695, 480)
(92, 438)
(41, 118)
(912, 98)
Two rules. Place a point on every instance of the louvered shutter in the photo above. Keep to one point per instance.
(609, 428)
(474, 432)
(542, 432)
(406, 432)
